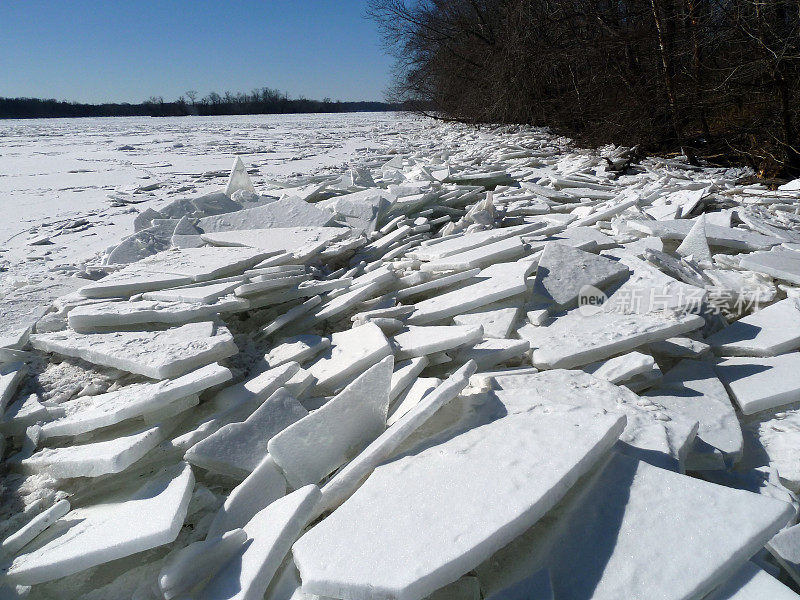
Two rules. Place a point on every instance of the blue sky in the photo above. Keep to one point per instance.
(129, 50)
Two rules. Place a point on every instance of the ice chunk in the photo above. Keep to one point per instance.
(353, 351)
(239, 179)
(503, 250)
(298, 348)
(695, 243)
(577, 339)
(206, 293)
(692, 389)
(781, 264)
(350, 477)
(761, 383)
(490, 353)
(286, 212)
(299, 242)
(752, 583)
(261, 488)
(93, 412)
(636, 531)
(727, 237)
(11, 374)
(411, 397)
(529, 461)
(563, 271)
(111, 529)
(236, 449)
(19, 539)
(496, 322)
(272, 531)
(316, 445)
(419, 341)
(154, 354)
(770, 331)
(621, 368)
(405, 373)
(196, 563)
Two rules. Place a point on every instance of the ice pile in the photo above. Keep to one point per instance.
(493, 366)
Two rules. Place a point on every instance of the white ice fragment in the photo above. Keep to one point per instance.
(236, 449)
(353, 351)
(496, 322)
(490, 353)
(726, 237)
(316, 445)
(621, 368)
(632, 530)
(11, 374)
(768, 332)
(752, 583)
(155, 354)
(286, 212)
(405, 373)
(300, 242)
(261, 487)
(20, 538)
(239, 179)
(272, 531)
(695, 243)
(298, 348)
(196, 563)
(761, 383)
(411, 397)
(529, 461)
(112, 529)
(419, 341)
(206, 293)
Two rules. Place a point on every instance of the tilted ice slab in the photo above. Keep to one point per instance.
(88, 413)
(300, 242)
(490, 353)
(621, 368)
(437, 249)
(496, 322)
(286, 212)
(781, 264)
(496, 282)
(463, 500)
(482, 256)
(692, 389)
(317, 444)
(761, 383)
(564, 270)
(353, 351)
(90, 317)
(178, 266)
(11, 375)
(154, 354)
(632, 530)
(419, 341)
(752, 583)
(727, 237)
(272, 531)
(128, 522)
(770, 331)
(206, 293)
(652, 432)
(576, 339)
(236, 449)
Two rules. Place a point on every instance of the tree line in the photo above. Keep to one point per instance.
(259, 101)
(719, 78)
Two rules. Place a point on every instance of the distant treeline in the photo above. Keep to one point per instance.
(714, 77)
(261, 101)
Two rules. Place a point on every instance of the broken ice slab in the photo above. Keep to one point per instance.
(726, 237)
(300, 242)
(752, 583)
(490, 353)
(679, 347)
(347, 480)
(577, 339)
(437, 249)
(298, 348)
(286, 212)
(259, 489)
(529, 461)
(272, 532)
(239, 179)
(26, 534)
(420, 341)
(178, 266)
(761, 383)
(206, 293)
(503, 250)
(317, 444)
(155, 354)
(621, 368)
(352, 352)
(692, 389)
(695, 244)
(111, 529)
(653, 432)
(411, 397)
(91, 317)
(631, 530)
(767, 332)
(497, 320)
(96, 457)
(11, 375)
(564, 271)
(405, 373)
(88, 413)
(494, 283)
(236, 449)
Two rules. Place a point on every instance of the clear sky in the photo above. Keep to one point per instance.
(129, 50)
